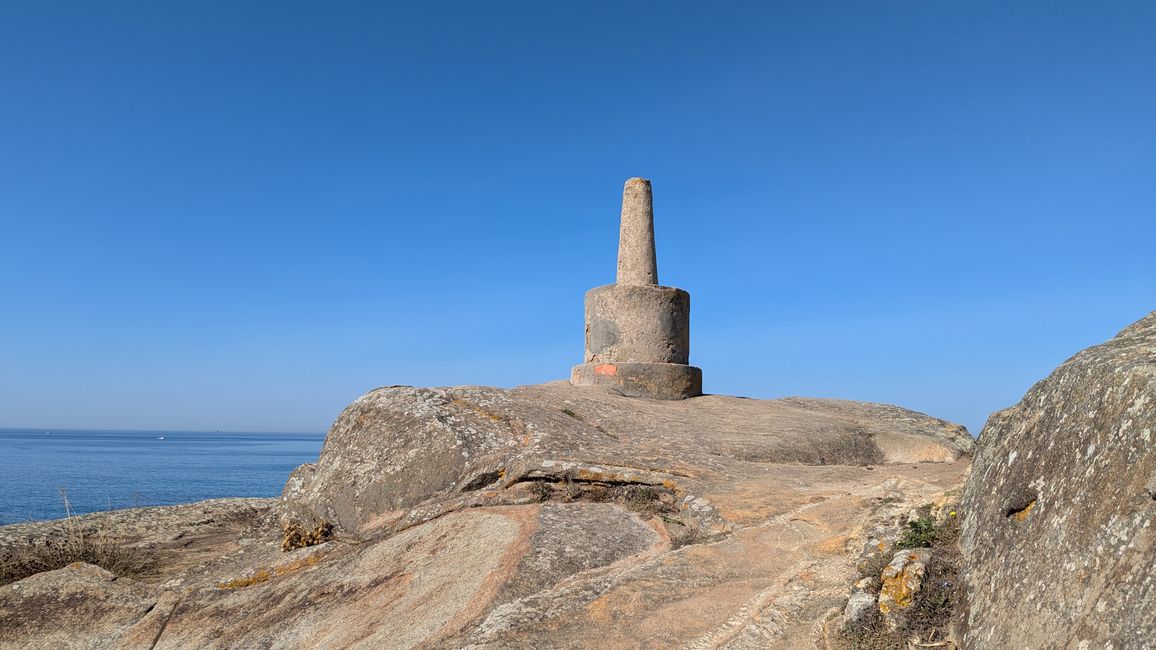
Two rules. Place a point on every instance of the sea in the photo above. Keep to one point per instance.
(104, 470)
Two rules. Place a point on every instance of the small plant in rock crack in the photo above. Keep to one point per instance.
(541, 490)
(571, 490)
(648, 500)
(920, 533)
(929, 620)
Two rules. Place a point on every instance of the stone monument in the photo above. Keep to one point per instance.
(637, 332)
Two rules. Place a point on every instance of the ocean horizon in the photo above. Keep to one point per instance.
(99, 470)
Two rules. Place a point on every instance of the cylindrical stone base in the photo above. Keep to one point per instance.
(636, 324)
(654, 380)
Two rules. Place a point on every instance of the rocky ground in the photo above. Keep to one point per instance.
(544, 516)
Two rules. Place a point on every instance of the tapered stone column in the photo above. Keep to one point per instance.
(637, 332)
(637, 261)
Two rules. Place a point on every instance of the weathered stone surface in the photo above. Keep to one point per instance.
(668, 381)
(178, 538)
(861, 606)
(79, 606)
(626, 323)
(637, 261)
(548, 516)
(421, 586)
(153, 527)
(1059, 509)
(767, 584)
(397, 447)
(901, 581)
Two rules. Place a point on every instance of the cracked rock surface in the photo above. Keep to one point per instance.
(542, 516)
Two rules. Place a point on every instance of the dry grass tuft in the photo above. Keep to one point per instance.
(295, 536)
(265, 574)
(106, 553)
(259, 576)
(75, 545)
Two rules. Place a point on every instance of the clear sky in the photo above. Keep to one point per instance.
(242, 215)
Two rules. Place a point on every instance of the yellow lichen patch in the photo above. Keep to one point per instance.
(259, 576)
(1023, 514)
(298, 565)
(266, 574)
(901, 583)
(836, 545)
(900, 595)
(479, 410)
(599, 611)
(587, 475)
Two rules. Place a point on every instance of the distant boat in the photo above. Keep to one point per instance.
(160, 437)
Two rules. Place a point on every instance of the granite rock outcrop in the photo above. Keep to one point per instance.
(543, 516)
(1060, 506)
(399, 454)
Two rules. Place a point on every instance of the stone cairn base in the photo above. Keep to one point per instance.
(637, 332)
(653, 380)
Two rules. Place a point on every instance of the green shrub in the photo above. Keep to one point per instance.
(920, 533)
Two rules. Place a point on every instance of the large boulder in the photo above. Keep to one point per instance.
(399, 447)
(1060, 504)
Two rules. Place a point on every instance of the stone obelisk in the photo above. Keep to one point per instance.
(637, 332)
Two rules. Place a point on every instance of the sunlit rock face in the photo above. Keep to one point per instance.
(536, 517)
(1061, 503)
(399, 455)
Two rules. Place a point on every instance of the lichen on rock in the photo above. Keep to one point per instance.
(1066, 472)
(902, 581)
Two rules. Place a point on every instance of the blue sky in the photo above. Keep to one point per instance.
(241, 216)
